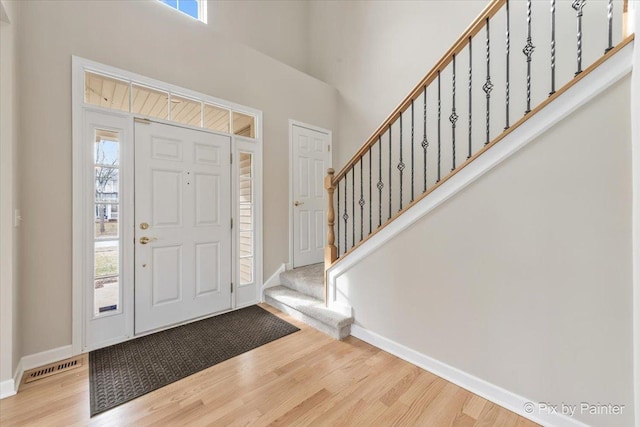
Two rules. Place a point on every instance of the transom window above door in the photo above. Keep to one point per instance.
(125, 95)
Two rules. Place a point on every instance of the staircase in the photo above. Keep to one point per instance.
(301, 294)
(481, 92)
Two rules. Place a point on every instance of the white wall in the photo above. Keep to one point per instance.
(151, 39)
(278, 28)
(524, 278)
(9, 328)
(374, 53)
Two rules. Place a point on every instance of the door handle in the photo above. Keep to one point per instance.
(297, 203)
(144, 240)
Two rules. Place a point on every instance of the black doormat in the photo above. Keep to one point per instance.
(122, 372)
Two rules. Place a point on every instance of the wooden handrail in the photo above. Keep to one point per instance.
(493, 142)
(332, 180)
(473, 29)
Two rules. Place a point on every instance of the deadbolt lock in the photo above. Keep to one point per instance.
(144, 225)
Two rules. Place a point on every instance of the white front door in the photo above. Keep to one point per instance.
(182, 225)
(311, 157)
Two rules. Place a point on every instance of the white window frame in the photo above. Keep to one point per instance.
(243, 292)
(81, 198)
(202, 10)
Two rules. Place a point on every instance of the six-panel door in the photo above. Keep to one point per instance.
(183, 230)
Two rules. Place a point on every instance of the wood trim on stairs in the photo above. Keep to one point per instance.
(496, 140)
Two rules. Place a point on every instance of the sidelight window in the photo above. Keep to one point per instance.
(246, 211)
(106, 222)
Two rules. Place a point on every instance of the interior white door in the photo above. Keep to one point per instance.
(183, 225)
(311, 158)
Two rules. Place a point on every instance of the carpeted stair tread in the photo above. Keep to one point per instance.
(307, 280)
(309, 306)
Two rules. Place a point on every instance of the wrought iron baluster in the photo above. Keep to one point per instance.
(425, 142)
(370, 199)
(488, 86)
(390, 186)
(439, 117)
(345, 217)
(528, 51)
(380, 184)
(470, 93)
(453, 118)
(353, 206)
(412, 153)
(338, 220)
(610, 18)
(578, 5)
(361, 203)
(508, 48)
(401, 164)
(553, 47)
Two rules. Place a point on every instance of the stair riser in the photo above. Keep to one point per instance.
(335, 333)
(311, 282)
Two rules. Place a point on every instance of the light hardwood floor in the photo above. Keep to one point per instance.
(305, 378)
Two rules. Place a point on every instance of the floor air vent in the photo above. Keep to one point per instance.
(52, 369)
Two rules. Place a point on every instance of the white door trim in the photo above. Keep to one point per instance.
(293, 123)
(79, 231)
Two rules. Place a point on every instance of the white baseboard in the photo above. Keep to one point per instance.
(482, 388)
(273, 280)
(35, 360)
(7, 388)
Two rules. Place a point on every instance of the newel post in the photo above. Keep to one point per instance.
(330, 251)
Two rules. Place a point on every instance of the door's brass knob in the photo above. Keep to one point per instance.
(297, 203)
(144, 239)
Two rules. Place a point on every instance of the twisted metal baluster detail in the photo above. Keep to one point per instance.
(553, 47)
(439, 121)
(353, 206)
(488, 86)
(412, 153)
(528, 51)
(345, 217)
(508, 49)
(578, 5)
(370, 197)
(470, 92)
(380, 184)
(390, 186)
(453, 118)
(425, 142)
(361, 202)
(610, 18)
(401, 164)
(338, 221)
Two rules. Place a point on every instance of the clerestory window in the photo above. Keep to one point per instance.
(194, 8)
